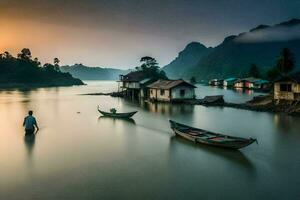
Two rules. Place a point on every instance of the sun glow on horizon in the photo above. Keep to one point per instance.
(90, 46)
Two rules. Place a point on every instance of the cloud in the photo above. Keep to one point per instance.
(271, 34)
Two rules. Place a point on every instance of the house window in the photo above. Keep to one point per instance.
(182, 93)
(151, 91)
(162, 92)
(286, 87)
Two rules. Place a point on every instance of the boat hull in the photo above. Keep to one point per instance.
(118, 115)
(227, 142)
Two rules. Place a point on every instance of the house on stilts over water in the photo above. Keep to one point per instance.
(137, 85)
(134, 84)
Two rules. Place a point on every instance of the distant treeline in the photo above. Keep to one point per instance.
(93, 73)
(25, 71)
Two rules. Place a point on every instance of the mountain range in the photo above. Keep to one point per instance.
(93, 73)
(233, 57)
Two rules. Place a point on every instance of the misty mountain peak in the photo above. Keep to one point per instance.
(229, 38)
(261, 45)
(193, 48)
(292, 22)
(187, 58)
(285, 31)
(259, 27)
(195, 45)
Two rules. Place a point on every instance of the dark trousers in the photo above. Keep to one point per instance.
(29, 131)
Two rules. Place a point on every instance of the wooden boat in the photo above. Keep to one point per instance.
(206, 137)
(117, 115)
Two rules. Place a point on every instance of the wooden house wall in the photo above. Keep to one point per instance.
(173, 94)
(156, 95)
(239, 84)
(132, 85)
(189, 92)
(293, 95)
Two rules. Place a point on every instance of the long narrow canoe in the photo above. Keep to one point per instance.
(117, 115)
(206, 137)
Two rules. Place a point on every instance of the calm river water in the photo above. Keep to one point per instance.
(77, 155)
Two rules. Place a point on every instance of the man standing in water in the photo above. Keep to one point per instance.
(30, 124)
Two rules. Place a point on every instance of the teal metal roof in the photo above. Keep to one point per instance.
(230, 79)
(261, 81)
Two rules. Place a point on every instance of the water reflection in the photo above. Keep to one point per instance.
(29, 140)
(100, 148)
(238, 95)
(287, 123)
(237, 90)
(167, 108)
(129, 120)
(234, 156)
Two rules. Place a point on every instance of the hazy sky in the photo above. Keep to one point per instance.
(116, 33)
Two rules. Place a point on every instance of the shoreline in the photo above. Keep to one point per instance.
(265, 91)
(112, 94)
(262, 103)
(4, 86)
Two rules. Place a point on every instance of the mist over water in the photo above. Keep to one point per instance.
(79, 155)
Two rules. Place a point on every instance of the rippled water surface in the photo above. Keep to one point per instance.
(77, 155)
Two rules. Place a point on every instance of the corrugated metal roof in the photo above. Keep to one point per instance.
(250, 79)
(230, 79)
(134, 76)
(253, 80)
(261, 81)
(168, 84)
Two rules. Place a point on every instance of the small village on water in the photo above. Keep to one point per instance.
(150, 100)
(281, 95)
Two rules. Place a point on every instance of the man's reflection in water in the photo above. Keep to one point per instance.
(29, 140)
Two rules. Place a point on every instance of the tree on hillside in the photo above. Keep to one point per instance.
(285, 62)
(162, 75)
(56, 64)
(253, 71)
(7, 55)
(25, 54)
(23, 70)
(49, 67)
(150, 67)
(272, 74)
(56, 61)
(193, 80)
(149, 63)
(37, 62)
